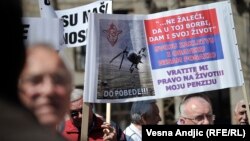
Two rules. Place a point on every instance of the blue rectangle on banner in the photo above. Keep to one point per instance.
(186, 51)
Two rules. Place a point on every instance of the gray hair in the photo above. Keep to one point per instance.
(140, 108)
(242, 103)
(76, 95)
(187, 98)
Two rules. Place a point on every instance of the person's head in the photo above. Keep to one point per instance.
(145, 113)
(45, 85)
(196, 109)
(12, 63)
(76, 103)
(240, 113)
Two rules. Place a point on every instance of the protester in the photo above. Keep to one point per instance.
(240, 113)
(45, 85)
(196, 109)
(142, 113)
(98, 130)
(16, 122)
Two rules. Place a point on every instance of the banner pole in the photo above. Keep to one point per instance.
(108, 112)
(246, 100)
(243, 86)
(85, 122)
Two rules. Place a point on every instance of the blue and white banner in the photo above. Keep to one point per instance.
(166, 54)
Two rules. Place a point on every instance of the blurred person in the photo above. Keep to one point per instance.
(45, 85)
(16, 122)
(240, 113)
(142, 113)
(196, 109)
(98, 130)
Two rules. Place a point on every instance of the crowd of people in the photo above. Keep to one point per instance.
(40, 93)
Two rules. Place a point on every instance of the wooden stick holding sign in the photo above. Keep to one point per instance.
(85, 122)
(108, 112)
(247, 102)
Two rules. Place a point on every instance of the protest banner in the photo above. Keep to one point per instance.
(42, 30)
(75, 20)
(172, 53)
(47, 11)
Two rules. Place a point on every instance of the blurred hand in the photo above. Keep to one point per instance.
(109, 132)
